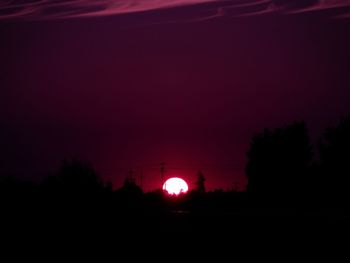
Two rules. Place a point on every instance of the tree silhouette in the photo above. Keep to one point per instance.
(335, 161)
(130, 187)
(278, 161)
(79, 176)
(200, 183)
(129, 196)
(75, 180)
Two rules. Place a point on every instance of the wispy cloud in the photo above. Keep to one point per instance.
(58, 9)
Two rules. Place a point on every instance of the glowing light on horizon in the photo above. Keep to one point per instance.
(175, 186)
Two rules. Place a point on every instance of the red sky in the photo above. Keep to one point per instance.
(187, 85)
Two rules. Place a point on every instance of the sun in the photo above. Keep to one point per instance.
(175, 186)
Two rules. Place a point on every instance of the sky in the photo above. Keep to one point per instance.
(128, 84)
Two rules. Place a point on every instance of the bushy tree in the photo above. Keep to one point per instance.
(278, 161)
(80, 176)
(335, 161)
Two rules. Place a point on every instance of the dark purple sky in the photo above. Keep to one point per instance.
(128, 84)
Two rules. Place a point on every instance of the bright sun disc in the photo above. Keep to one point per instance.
(175, 186)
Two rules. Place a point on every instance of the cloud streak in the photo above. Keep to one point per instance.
(61, 9)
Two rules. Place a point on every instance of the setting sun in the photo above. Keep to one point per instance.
(175, 186)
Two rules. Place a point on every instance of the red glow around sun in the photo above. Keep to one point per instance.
(175, 186)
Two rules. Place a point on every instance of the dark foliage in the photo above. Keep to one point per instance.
(200, 183)
(335, 163)
(279, 161)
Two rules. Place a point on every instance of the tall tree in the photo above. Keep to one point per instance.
(335, 159)
(278, 161)
(200, 183)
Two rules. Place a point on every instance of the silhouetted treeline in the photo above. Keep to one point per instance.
(283, 168)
